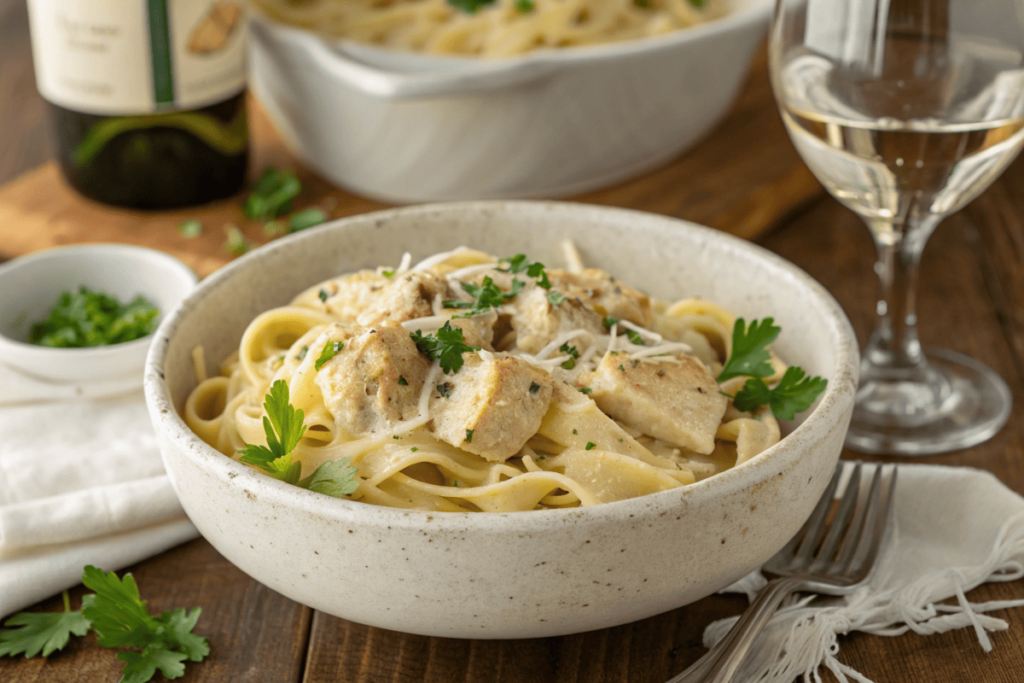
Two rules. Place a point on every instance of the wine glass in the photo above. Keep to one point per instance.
(906, 110)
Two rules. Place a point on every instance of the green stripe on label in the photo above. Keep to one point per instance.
(160, 41)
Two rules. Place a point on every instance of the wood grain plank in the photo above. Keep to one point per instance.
(255, 634)
(24, 124)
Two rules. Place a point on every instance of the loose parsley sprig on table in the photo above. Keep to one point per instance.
(120, 618)
(794, 393)
(284, 428)
(446, 345)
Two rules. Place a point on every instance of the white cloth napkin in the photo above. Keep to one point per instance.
(955, 528)
(81, 482)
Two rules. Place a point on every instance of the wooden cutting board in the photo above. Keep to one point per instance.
(743, 178)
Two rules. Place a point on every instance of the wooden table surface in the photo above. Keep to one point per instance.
(973, 280)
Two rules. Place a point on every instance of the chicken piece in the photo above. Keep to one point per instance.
(603, 293)
(375, 380)
(537, 321)
(492, 407)
(478, 330)
(408, 297)
(678, 402)
(347, 296)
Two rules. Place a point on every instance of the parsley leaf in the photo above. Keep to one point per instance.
(590, 446)
(573, 355)
(485, 296)
(335, 478)
(190, 229)
(446, 345)
(44, 632)
(272, 194)
(608, 321)
(275, 458)
(634, 337)
(556, 298)
(750, 349)
(521, 264)
(794, 393)
(330, 350)
(469, 6)
(142, 666)
(307, 218)
(469, 435)
(524, 6)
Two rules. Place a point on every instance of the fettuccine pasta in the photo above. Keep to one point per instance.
(506, 27)
(469, 383)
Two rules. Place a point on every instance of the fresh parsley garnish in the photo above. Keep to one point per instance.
(794, 393)
(446, 345)
(272, 194)
(307, 218)
(585, 390)
(402, 381)
(485, 296)
(555, 298)
(750, 355)
(590, 446)
(521, 264)
(524, 6)
(190, 229)
(572, 353)
(120, 618)
(284, 428)
(534, 387)
(323, 295)
(444, 389)
(330, 350)
(469, 435)
(634, 337)
(89, 318)
(44, 632)
(469, 6)
(301, 355)
(235, 243)
(608, 321)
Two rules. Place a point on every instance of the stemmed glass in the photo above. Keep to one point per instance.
(906, 110)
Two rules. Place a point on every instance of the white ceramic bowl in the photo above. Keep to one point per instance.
(524, 574)
(406, 127)
(31, 285)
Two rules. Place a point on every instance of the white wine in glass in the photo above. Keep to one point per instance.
(906, 110)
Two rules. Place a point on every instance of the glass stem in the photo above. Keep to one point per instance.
(893, 353)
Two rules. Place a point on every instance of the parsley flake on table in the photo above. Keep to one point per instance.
(42, 632)
(89, 318)
(272, 194)
(307, 218)
(446, 345)
(794, 393)
(190, 229)
(235, 243)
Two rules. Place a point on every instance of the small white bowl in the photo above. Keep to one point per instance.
(31, 285)
(405, 127)
(521, 574)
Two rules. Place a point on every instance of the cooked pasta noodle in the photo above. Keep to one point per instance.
(578, 389)
(506, 27)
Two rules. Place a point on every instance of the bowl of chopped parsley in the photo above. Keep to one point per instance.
(86, 313)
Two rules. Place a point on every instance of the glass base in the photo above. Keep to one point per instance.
(963, 404)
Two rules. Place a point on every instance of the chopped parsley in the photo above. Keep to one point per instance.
(585, 390)
(402, 382)
(414, 449)
(89, 318)
(235, 243)
(323, 295)
(272, 194)
(608, 321)
(444, 389)
(190, 229)
(590, 446)
(469, 6)
(301, 355)
(330, 350)
(521, 264)
(524, 6)
(469, 435)
(575, 432)
(446, 345)
(388, 273)
(307, 218)
(573, 354)
(556, 298)
(622, 368)
(485, 297)
(634, 337)
(534, 387)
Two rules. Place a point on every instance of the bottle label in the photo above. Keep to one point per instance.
(124, 57)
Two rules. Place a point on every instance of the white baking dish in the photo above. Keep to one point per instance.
(406, 127)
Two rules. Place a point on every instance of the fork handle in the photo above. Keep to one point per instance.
(719, 664)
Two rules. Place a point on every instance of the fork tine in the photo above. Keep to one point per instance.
(812, 529)
(865, 538)
(839, 524)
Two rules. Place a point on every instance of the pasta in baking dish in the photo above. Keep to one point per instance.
(469, 383)
(500, 28)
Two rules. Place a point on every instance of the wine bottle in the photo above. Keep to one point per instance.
(147, 97)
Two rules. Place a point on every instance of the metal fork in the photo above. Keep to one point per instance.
(832, 559)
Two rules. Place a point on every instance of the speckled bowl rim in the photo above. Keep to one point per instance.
(836, 400)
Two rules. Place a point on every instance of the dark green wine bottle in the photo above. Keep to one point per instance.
(147, 97)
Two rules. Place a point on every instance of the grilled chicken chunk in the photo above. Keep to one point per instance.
(492, 407)
(606, 295)
(678, 402)
(537, 321)
(410, 296)
(374, 382)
